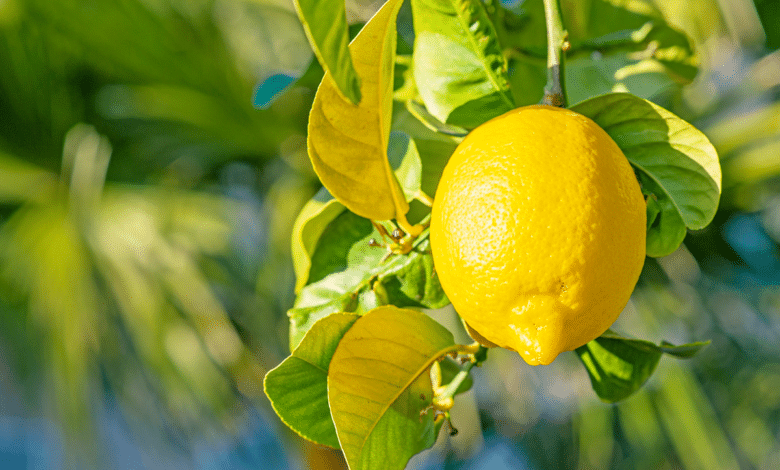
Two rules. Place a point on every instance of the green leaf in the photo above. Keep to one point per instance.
(348, 143)
(674, 161)
(335, 243)
(528, 77)
(420, 163)
(298, 387)
(325, 23)
(412, 282)
(667, 230)
(405, 159)
(307, 231)
(334, 294)
(379, 385)
(619, 366)
(417, 110)
(403, 280)
(434, 155)
(325, 231)
(434, 148)
(459, 67)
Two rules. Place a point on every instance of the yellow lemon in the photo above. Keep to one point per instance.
(538, 231)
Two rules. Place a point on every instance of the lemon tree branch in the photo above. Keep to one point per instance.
(555, 91)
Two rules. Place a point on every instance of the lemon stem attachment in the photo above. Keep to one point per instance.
(557, 44)
(424, 198)
(446, 393)
(412, 230)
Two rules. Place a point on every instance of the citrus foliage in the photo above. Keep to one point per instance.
(675, 163)
(348, 143)
(379, 388)
(459, 68)
(619, 366)
(465, 62)
(325, 24)
(298, 386)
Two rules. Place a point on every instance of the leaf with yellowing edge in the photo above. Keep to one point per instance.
(348, 143)
(379, 383)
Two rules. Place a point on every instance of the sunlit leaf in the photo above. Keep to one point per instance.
(298, 387)
(459, 66)
(434, 148)
(379, 385)
(348, 143)
(412, 281)
(309, 226)
(334, 294)
(325, 231)
(335, 251)
(406, 280)
(619, 366)
(404, 87)
(675, 162)
(325, 23)
(593, 75)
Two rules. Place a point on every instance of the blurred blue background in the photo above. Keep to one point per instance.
(152, 162)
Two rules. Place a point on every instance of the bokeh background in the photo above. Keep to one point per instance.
(152, 162)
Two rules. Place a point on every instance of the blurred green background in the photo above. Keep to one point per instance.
(151, 166)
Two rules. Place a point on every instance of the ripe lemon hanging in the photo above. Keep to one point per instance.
(538, 231)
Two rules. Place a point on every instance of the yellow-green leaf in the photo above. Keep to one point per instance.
(325, 23)
(297, 388)
(379, 383)
(348, 143)
(311, 222)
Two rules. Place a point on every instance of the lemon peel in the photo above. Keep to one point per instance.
(538, 231)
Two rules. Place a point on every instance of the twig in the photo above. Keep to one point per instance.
(557, 44)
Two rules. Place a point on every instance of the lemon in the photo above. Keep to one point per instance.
(538, 231)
